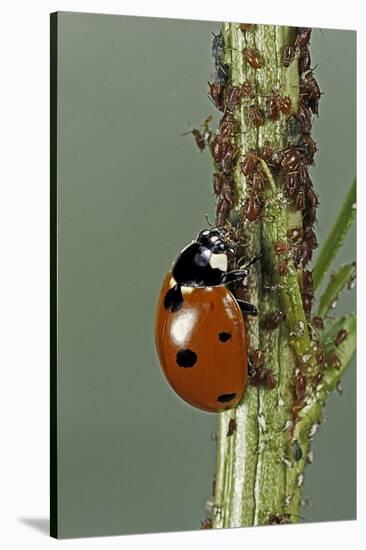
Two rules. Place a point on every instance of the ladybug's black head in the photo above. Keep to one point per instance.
(205, 261)
(215, 240)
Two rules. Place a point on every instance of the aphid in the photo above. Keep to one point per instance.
(218, 45)
(223, 211)
(217, 94)
(293, 128)
(311, 197)
(253, 57)
(296, 451)
(290, 158)
(291, 182)
(341, 336)
(318, 323)
(272, 108)
(245, 27)
(310, 238)
(272, 320)
(304, 60)
(266, 151)
(279, 520)
(222, 74)
(228, 157)
(249, 164)
(233, 97)
(307, 282)
(280, 247)
(247, 89)
(256, 115)
(309, 216)
(199, 324)
(295, 234)
(288, 55)
(252, 207)
(300, 200)
(303, 37)
(316, 380)
(284, 104)
(312, 85)
(310, 148)
(299, 386)
(319, 355)
(307, 303)
(258, 182)
(199, 139)
(232, 427)
(304, 117)
(282, 268)
(261, 376)
(206, 523)
(332, 360)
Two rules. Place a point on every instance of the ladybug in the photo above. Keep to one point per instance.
(200, 330)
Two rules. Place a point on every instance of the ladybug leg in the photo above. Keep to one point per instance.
(247, 308)
(232, 276)
(251, 369)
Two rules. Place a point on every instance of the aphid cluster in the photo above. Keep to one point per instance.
(260, 375)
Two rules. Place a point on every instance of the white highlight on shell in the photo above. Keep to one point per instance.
(182, 325)
(218, 261)
(172, 282)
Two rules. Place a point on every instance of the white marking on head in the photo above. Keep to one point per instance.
(172, 282)
(182, 326)
(218, 261)
(187, 289)
(214, 239)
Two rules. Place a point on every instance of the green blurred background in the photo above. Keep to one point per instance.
(132, 192)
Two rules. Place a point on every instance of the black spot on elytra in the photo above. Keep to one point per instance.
(186, 358)
(225, 397)
(224, 336)
(173, 298)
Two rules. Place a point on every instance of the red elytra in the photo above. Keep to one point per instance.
(202, 346)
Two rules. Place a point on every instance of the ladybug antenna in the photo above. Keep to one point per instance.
(208, 221)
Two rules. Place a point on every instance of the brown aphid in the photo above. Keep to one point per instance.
(311, 197)
(307, 282)
(318, 323)
(249, 164)
(304, 60)
(272, 108)
(299, 386)
(232, 427)
(199, 139)
(233, 97)
(256, 115)
(217, 94)
(307, 303)
(280, 247)
(253, 57)
(218, 181)
(291, 183)
(245, 27)
(279, 520)
(303, 115)
(258, 182)
(272, 320)
(282, 268)
(332, 360)
(288, 55)
(309, 216)
(226, 130)
(266, 151)
(316, 380)
(341, 336)
(303, 174)
(228, 157)
(252, 207)
(319, 355)
(217, 148)
(312, 85)
(303, 37)
(295, 234)
(310, 148)
(300, 200)
(290, 158)
(248, 90)
(310, 237)
(284, 104)
(206, 523)
(222, 211)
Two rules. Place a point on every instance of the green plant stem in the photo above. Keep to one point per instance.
(336, 236)
(338, 281)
